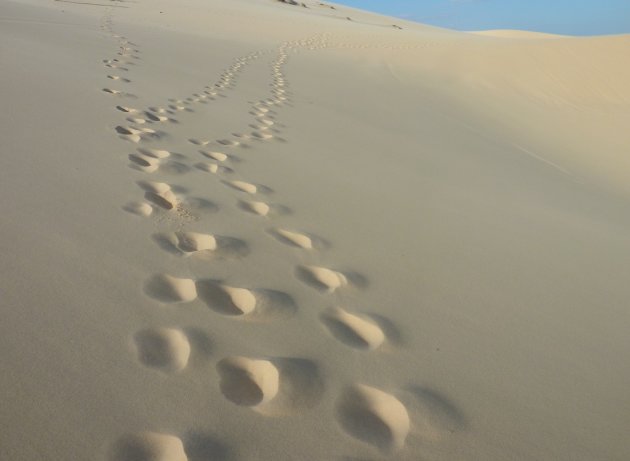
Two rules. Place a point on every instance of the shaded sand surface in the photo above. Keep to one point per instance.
(248, 230)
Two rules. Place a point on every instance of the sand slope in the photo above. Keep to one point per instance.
(251, 230)
(521, 34)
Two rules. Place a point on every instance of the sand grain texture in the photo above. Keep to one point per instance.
(253, 230)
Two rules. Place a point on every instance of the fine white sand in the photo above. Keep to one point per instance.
(251, 230)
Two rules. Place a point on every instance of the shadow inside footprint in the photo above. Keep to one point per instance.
(173, 167)
(166, 200)
(201, 446)
(356, 279)
(373, 416)
(273, 304)
(298, 239)
(200, 342)
(166, 243)
(230, 247)
(143, 161)
(257, 304)
(322, 279)
(301, 387)
(391, 331)
(439, 411)
(169, 289)
(147, 446)
(202, 204)
(178, 243)
(221, 299)
(166, 349)
(358, 330)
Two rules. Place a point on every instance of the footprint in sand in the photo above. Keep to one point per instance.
(139, 208)
(374, 417)
(260, 127)
(170, 290)
(126, 109)
(159, 194)
(117, 67)
(218, 156)
(155, 153)
(165, 199)
(129, 133)
(207, 167)
(265, 121)
(198, 142)
(201, 204)
(155, 118)
(225, 299)
(149, 160)
(229, 142)
(278, 386)
(257, 113)
(258, 208)
(261, 135)
(166, 349)
(144, 162)
(118, 78)
(148, 446)
(354, 330)
(242, 186)
(199, 244)
(293, 238)
(213, 168)
(248, 382)
(149, 132)
(321, 278)
(257, 304)
(191, 242)
(137, 120)
(436, 416)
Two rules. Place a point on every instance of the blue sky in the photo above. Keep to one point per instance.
(573, 17)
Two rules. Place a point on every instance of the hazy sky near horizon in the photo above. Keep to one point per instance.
(573, 17)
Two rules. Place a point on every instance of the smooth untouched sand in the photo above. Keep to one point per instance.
(248, 230)
(503, 33)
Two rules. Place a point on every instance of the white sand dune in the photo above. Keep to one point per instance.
(513, 33)
(254, 230)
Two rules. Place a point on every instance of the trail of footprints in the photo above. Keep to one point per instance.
(266, 384)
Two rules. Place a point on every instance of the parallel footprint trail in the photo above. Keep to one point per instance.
(268, 385)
